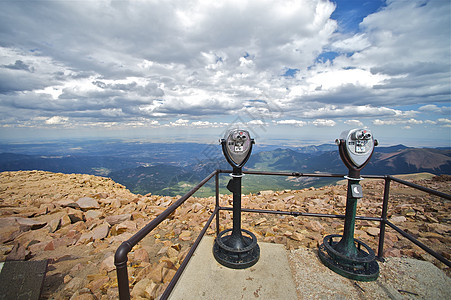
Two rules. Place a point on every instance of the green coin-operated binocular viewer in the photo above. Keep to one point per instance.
(350, 257)
(231, 248)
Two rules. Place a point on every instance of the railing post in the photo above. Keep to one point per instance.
(217, 201)
(120, 261)
(380, 249)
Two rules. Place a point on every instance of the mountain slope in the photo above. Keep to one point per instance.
(96, 165)
(412, 160)
(151, 179)
(279, 159)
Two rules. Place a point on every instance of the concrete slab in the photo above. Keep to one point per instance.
(280, 274)
(22, 279)
(204, 278)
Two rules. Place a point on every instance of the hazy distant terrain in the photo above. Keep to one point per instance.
(173, 168)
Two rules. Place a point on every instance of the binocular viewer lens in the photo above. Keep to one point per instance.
(362, 135)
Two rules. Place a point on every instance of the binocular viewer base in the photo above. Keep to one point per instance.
(236, 251)
(361, 266)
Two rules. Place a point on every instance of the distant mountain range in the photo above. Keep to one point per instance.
(385, 160)
(171, 169)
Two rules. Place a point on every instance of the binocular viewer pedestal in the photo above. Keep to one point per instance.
(348, 256)
(236, 251)
(231, 248)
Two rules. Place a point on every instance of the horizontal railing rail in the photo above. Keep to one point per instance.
(121, 259)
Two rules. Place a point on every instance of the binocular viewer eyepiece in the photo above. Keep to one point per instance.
(362, 135)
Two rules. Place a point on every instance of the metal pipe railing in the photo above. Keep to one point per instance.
(183, 265)
(295, 174)
(421, 188)
(120, 259)
(419, 244)
(303, 214)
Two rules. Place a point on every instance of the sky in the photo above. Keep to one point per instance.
(291, 72)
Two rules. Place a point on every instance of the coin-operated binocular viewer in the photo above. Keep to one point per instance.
(231, 248)
(350, 257)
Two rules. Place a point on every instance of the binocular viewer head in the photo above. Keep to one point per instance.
(237, 147)
(356, 147)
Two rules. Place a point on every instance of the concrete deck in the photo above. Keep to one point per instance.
(205, 278)
(299, 274)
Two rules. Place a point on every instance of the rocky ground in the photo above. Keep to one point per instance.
(78, 221)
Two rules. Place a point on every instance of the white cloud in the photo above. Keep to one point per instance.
(245, 62)
(333, 111)
(323, 123)
(292, 122)
(333, 78)
(207, 124)
(357, 42)
(414, 121)
(56, 120)
(256, 122)
(379, 122)
(180, 122)
(411, 121)
(355, 123)
(432, 108)
(444, 122)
